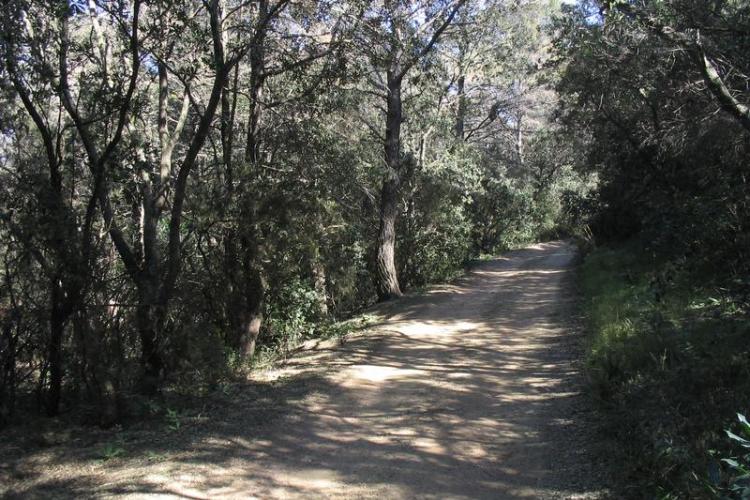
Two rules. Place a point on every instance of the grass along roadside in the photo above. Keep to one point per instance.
(669, 364)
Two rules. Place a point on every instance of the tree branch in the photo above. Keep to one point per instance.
(433, 40)
(693, 44)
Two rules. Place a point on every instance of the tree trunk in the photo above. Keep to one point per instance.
(148, 282)
(245, 299)
(461, 111)
(251, 315)
(319, 280)
(388, 286)
(386, 275)
(251, 288)
(54, 355)
(519, 139)
(147, 322)
(97, 364)
(252, 319)
(8, 375)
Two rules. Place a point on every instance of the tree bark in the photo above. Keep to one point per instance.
(58, 319)
(721, 92)
(386, 275)
(148, 325)
(319, 281)
(251, 321)
(519, 139)
(399, 64)
(461, 111)
(251, 286)
(253, 290)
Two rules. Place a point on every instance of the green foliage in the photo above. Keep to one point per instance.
(729, 477)
(436, 241)
(668, 355)
(173, 420)
(737, 481)
(668, 362)
(162, 252)
(669, 166)
(503, 216)
(292, 314)
(112, 450)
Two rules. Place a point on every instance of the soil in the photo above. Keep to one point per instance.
(466, 390)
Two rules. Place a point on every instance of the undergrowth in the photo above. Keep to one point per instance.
(669, 363)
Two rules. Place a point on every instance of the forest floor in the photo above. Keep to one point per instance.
(467, 390)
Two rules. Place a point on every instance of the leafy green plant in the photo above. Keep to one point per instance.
(736, 484)
(292, 314)
(151, 407)
(112, 450)
(173, 419)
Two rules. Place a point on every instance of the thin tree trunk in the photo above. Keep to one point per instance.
(318, 270)
(461, 111)
(519, 139)
(58, 319)
(8, 376)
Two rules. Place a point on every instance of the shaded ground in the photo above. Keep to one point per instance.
(468, 390)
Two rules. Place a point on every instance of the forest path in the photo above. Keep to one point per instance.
(467, 390)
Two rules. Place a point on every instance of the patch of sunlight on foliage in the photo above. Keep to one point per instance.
(616, 297)
(268, 356)
(669, 363)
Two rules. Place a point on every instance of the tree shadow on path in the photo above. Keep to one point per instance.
(469, 390)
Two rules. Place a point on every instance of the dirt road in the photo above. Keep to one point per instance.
(468, 390)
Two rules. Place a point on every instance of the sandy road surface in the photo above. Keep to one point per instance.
(468, 390)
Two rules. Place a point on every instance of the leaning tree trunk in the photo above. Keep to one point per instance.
(385, 263)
